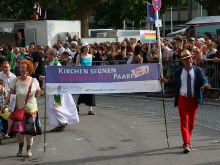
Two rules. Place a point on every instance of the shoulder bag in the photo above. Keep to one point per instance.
(18, 114)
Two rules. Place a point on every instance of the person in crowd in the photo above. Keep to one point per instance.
(2, 60)
(7, 75)
(176, 51)
(66, 46)
(4, 122)
(207, 37)
(10, 57)
(199, 45)
(32, 45)
(166, 58)
(73, 46)
(97, 55)
(30, 54)
(16, 51)
(20, 41)
(61, 108)
(192, 41)
(38, 64)
(204, 52)
(107, 56)
(30, 124)
(184, 41)
(77, 52)
(2, 54)
(127, 41)
(124, 44)
(144, 55)
(60, 47)
(8, 78)
(211, 53)
(137, 59)
(196, 56)
(22, 55)
(85, 59)
(116, 50)
(133, 42)
(188, 47)
(216, 74)
(154, 57)
(66, 59)
(189, 82)
(129, 54)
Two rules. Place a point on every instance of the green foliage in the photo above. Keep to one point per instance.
(21, 10)
(113, 12)
(67, 9)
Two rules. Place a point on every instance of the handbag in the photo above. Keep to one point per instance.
(18, 114)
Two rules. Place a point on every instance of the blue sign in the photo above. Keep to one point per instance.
(151, 14)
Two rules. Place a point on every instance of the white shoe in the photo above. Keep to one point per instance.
(186, 149)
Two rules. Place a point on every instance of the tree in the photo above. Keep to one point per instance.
(67, 9)
(83, 8)
(212, 6)
(113, 12)
(22, 10)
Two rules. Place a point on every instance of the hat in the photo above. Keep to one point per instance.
(201, 40)
(85, 44)
(66, 44)
(74, 42)
(185, 54)
(193, 39)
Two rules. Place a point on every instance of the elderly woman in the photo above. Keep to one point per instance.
(30, 124)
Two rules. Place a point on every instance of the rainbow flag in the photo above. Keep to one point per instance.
(150, 36)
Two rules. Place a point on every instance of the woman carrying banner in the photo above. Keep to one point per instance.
(61, 108)
(85, 59)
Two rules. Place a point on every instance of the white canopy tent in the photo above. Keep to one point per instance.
(181, 32)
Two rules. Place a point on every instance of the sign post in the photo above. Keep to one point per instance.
(157, 5)
(158, 23)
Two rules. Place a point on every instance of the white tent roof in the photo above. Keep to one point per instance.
(181, 32)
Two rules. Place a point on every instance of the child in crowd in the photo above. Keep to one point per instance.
(4, 122)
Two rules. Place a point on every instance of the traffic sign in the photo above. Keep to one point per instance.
(157, 4)
(151, 14)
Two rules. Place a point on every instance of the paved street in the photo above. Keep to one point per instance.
(127, 130)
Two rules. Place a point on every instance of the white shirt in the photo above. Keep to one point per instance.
(213, 51)
(61, 50)
(8, 80)
(167, 52)
(183, 87)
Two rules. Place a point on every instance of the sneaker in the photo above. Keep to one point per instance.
(186, 149)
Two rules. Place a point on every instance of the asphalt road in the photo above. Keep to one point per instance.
(118, 135)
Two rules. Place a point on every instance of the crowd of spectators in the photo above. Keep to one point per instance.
(206, 53)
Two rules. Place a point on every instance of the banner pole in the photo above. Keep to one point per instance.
(45, 114)
(161, 74)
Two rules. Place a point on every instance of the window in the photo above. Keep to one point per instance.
(194, 5)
